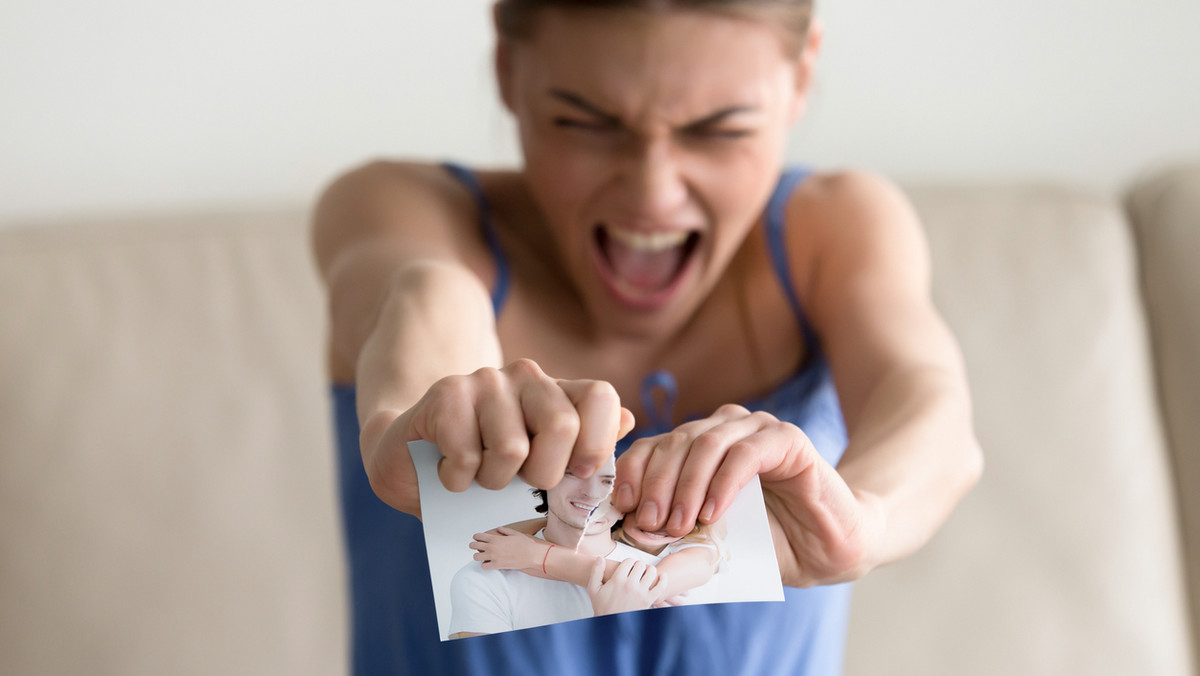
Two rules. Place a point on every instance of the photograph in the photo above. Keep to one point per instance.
(522, 557)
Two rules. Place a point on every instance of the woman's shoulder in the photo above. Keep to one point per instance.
(847, 225)
(849, 213)
(831, 198)
(417, 202)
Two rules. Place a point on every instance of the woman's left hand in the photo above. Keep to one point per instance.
(823, 530)
(506, 549)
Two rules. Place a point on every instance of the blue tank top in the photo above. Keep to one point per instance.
(394, 627)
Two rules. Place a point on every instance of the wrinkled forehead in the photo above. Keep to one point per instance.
(637, 63)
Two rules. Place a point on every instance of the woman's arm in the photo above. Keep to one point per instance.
(412, 322)
(688, 569)
(912, 453)
(528, 526)
(508, 549)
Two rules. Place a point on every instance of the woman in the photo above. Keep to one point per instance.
(650, 244)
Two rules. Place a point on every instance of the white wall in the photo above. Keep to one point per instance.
(145, 104)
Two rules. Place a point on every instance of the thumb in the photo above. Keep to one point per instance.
(627, 423)
(597, 576)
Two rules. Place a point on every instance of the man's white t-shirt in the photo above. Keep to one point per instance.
(492, 601)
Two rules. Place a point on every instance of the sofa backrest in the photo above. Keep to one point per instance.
(165, 472)
(1164, 208)
(1065, 558)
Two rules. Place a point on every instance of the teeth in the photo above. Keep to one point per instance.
(649, 241)
(581, 505)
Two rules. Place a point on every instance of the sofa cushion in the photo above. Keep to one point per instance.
(1064, 559)
(165, 466)
(1165, 210)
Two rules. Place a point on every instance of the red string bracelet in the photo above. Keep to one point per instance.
(546, 556)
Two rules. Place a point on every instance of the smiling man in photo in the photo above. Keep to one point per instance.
(579, 516)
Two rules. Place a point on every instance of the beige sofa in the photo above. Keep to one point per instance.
(167, 493)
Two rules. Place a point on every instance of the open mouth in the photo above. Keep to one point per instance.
(585, 506)
(644, 268)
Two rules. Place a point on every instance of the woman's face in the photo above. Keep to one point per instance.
(651, 141)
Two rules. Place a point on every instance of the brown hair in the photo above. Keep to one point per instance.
(514, 18)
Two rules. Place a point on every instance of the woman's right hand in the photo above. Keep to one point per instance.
(633, 586)
(492, 425)
(506, 549)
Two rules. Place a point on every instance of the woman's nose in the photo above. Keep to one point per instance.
(655, 182)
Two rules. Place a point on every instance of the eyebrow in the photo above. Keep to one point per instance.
(577, 101)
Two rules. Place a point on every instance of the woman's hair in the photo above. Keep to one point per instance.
(515, 18)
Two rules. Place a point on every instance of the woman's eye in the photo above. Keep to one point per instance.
(584, 125)
(709, 133)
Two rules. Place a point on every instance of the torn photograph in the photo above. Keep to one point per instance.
(521, 557)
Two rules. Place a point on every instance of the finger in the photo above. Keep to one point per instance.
(705, 455)
(622, 571)
(388, 464)
(478, 546)
(505, 441)
(727, 412)
(637, 572)
(553, 425)
(446, 417)
(597, 575)
(659, 479)
(631, 466)
(661, 584)
(484, 537)
(649, 575)
(599, 410)
(743, 460)
(627, 423)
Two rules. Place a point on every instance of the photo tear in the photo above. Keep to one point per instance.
(521, 557)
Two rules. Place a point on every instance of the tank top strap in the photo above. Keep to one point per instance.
(775, 221)
(488, 228)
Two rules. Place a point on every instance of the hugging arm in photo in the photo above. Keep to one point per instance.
(689, 561)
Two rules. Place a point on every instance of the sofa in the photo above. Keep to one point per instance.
(168, 495)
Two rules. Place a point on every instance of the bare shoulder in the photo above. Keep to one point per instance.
(852, 225)
(852, 204)
(417, 208)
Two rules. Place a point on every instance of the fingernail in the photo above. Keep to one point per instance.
(648, 515)
(583, 471)
(706, 513)
(624, 497)
(676, 519)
